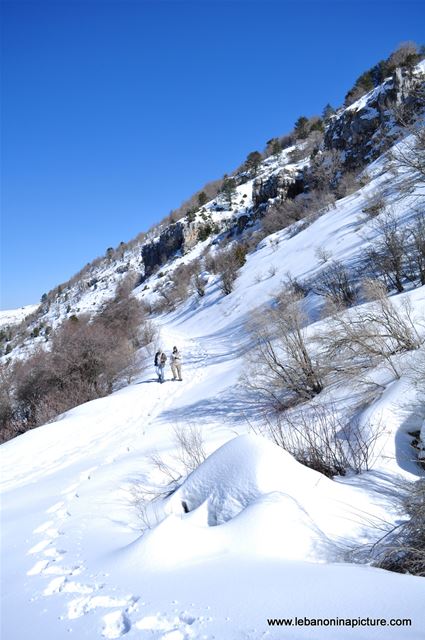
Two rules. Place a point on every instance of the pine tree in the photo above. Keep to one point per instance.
(328, 111)
(302, 128)
(202, 198)
(252, 161)
(228, 189)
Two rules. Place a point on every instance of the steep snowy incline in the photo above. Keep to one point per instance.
(74, 559)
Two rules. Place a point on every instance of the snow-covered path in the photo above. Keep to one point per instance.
(73, 538)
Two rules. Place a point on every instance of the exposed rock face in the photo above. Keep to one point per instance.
(362, 132)
(280, 184)
(179, 237)
(158, 251)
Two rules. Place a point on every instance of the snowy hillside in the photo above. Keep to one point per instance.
(239, 533)
(14, 316)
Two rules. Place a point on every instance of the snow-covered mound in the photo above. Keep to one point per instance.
(252, 497)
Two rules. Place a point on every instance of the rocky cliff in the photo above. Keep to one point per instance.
(369, 126)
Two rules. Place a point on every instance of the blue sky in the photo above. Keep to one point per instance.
(114, 112)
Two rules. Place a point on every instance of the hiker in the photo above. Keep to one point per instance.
(156, 364)
(176, 364)
(161, 366)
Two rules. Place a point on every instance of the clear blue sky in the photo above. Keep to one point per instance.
(114, 112)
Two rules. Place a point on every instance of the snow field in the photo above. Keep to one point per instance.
(250, 534)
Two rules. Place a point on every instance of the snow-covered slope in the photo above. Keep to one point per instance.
(14, 316)
(250, 535)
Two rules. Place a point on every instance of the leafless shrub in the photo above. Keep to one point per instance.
(171, 472)
(387, 259)
(346, 184)
(368, 336)
(282, 367)
(410, 154)
(323, 254)
(178, 286)
(191, 449)
(402, 549)
(295, 286)
(318, 439)
(281, 214)
(375, 204)
(272, 270)
(9, 424)
(336, 284)
(227, 263)
(416, 254)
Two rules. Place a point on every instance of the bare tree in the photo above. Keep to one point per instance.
(387, 259)
(416, 253)
(282, 367)
(227, 264)
(409, 155)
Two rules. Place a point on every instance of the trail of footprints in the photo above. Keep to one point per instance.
(118, 612)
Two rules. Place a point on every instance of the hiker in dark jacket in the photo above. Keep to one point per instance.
(156, 364)
(161, 366)
(176, 364)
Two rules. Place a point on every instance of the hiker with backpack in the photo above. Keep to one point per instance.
(176, 364)
(159, 363)
(156, 364)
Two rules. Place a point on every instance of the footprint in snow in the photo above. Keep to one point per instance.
(63, 585)
(81, 606)
(177, 628)
(115, 624)
(54, 508)
(57, 570)
(69, 490)
(40, 546)
(38, 568)
(43, 527)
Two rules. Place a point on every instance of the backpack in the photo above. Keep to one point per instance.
(156, 361)
(163, 359)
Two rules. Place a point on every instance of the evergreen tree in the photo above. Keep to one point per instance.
(302, 128)
(252, 161)
(202, 198)
(228, 189)
(328, 111)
